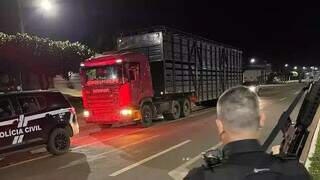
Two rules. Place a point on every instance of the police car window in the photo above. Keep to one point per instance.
(28, 104)
(42, 102)
(5, 109)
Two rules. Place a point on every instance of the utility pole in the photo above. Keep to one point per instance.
(20, 16)
(21, 28)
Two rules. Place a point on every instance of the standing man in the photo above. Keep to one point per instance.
(239, 122)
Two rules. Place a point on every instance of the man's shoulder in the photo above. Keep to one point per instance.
(288, 166)
(223, 170)
(196, 173)
(285, 168)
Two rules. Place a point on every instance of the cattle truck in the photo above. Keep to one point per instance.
(159, 72)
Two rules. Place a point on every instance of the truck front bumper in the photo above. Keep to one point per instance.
(125, 115)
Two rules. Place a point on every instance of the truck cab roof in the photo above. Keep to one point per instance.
(109, 59)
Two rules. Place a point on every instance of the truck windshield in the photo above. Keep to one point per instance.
(103, 75)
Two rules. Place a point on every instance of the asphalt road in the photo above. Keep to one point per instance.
(165, 151)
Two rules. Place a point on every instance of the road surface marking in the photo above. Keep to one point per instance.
(282, 99)
(123, 147)
(101, 155)
(148, 159)
(180, 172)
(48, 155)
(27, 161)
(107, 139)
(194, 114)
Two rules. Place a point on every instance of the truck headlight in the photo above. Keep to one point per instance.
(253, 88)
(86, 113)
(126, 112)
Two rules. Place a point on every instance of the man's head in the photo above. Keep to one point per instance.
(239, 115)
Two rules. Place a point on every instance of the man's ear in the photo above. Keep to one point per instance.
(262, 119)
(219, 126)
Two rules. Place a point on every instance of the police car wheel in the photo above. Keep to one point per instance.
(59, 142)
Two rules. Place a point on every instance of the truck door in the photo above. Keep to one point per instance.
(8, 125)
(135, 84)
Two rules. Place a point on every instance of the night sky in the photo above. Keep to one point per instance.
(277, 32)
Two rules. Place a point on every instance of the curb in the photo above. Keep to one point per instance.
(312, 146)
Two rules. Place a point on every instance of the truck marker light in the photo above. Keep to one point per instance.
(81, 65)
(86, 113)
(119, 61)
(137, 115)
(126, 112)
(113, 76)
(193, 99)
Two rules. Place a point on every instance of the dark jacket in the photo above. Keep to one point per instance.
(245, 160)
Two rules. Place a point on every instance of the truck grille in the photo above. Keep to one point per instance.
(102, 103)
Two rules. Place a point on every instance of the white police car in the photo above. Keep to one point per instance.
(29, 119)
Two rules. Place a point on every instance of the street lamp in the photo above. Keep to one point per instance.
(252, 60)
(304, 68)
(48, 7)
(295, 68)
(286, 65)
(20, 16)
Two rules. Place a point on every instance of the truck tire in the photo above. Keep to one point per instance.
(185, 107)
(174, 111)
(258, 91)
(146, 115)
(58, 142)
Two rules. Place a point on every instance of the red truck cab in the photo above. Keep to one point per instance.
(114, 86)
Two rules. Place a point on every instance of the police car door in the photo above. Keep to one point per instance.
(30, 120)
(9, 121)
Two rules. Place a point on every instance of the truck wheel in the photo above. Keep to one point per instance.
(185, 107)
(175, 111)
(59, 142)
(146, 113)
(258, 92)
